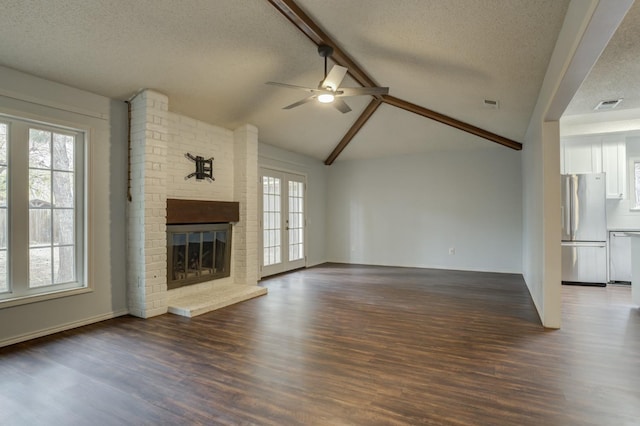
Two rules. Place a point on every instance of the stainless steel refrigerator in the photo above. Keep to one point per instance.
(584, 229)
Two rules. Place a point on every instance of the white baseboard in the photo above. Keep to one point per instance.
(63, 327)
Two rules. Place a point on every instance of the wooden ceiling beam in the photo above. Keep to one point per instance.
(304, 23)
(449, 121)
(368, 112)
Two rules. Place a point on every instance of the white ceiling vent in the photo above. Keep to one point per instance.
(607, 105)
(488, 103)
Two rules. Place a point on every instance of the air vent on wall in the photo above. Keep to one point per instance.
(607, 105)
(489, 103)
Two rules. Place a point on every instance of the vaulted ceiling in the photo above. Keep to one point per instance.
(212, 59)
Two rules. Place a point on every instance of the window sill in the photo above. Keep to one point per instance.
(24, 300)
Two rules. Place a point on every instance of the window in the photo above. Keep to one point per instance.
(41, 208)
(4, 223)
(634, 183)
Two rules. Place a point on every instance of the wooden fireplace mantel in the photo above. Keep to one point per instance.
(196, 211)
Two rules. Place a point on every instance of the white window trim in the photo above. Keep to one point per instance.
(632, 189)
(54, 120)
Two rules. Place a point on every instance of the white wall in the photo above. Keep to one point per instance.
(541, 216)
(541, 261)
(410, 210)
(316, 173)
(31, 97)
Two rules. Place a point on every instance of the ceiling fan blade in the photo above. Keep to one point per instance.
(357, 91)
(291, 86)
(341, 106)
(334, 78)
(300, 102)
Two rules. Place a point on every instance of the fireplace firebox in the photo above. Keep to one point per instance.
(197, 253)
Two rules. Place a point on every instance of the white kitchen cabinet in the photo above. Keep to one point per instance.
(597, 154)
(614, 164)
(581, 155)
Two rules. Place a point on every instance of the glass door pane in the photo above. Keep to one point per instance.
(296, 220)
(272, 228)
(52, 245)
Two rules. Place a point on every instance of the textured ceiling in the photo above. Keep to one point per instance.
(617, 72)
(212, 58)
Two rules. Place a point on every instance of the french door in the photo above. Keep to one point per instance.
(283, 221)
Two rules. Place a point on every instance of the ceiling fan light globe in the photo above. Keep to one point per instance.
(326, 98)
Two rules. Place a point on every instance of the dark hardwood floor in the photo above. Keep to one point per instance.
(344, 345)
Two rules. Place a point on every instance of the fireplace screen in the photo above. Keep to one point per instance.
(197, 253)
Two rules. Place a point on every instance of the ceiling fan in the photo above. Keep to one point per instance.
(329, 90)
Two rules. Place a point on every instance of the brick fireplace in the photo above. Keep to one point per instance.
(158, 167)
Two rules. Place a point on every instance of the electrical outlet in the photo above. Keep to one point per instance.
(452, 250)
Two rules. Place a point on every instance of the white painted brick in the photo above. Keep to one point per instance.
(160, 135)
(154, 312)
